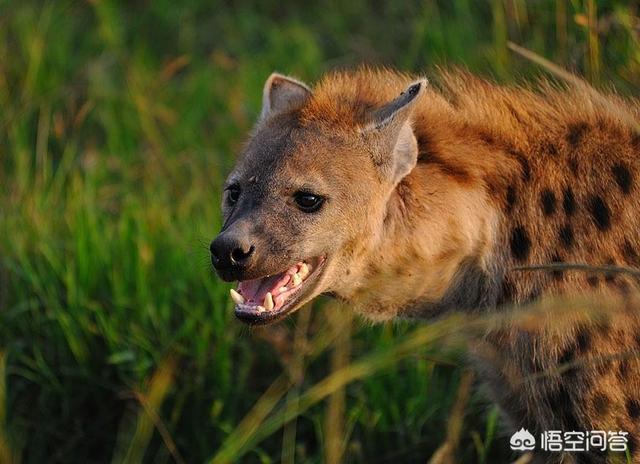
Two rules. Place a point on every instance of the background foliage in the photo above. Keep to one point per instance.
(118, 122)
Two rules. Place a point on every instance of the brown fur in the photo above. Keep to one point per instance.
(505, 177)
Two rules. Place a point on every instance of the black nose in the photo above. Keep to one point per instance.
(229, 252)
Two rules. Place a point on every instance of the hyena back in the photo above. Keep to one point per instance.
(408, 201)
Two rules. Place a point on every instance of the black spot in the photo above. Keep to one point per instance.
(583, 339)
(511, 198)
(601, 404)
(487, 138)
(623, 178)
(600, 212)
(633, 408)
(550, 148)
(548, 202)
(524, 164)
(566, 236)
(573, 164)
(610, 277)
(623, 368)
(569, 202)
(508, 293)
(592, 280)
(520, 243)
(575, 133)
(566, 358)
(557, 273)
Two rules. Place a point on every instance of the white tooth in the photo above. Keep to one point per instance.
(268, 302)
(296, 280)
(260, 309)
(283, 289)
(304, 270)
(236, 297)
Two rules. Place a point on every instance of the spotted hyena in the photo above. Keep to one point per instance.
(413, 201)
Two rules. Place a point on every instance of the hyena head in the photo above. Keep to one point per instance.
(306, 202)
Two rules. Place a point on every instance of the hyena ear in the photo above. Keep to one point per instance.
(395, 148)
(282, 93)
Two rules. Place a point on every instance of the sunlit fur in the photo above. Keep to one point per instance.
(505, 177)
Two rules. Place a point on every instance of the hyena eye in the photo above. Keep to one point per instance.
(233, 193)
(308, 202)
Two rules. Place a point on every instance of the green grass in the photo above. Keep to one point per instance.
(118, 123)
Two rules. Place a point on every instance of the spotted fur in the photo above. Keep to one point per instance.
(503, 177)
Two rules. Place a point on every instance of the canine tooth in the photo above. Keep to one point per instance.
(236, 297)
(268, 301)
(296, 280)
(283, 289)
(304, 270)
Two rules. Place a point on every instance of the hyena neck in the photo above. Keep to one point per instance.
(505, 179)
(445, 238)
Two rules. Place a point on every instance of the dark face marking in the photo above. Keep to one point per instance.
(520, 243)
(575, 133)
(633, 408)
(623, 178)
(566, 236)
(592, 280)
(569, 202)
(548, 202)
(600, 213)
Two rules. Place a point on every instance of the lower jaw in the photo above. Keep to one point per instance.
(253, 318)
(250, 314)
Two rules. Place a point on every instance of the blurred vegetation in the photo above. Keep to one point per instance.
(118, 122)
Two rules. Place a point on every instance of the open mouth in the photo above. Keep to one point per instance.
(264, 300)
